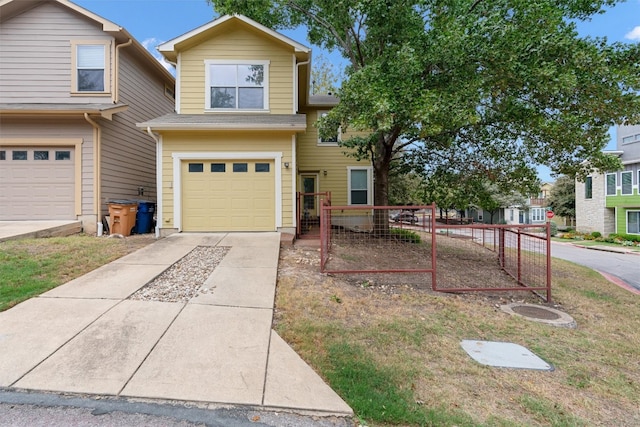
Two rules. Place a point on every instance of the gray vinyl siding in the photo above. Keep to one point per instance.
(58, 128)
(128, 153)
(631, 150)
(35, 48)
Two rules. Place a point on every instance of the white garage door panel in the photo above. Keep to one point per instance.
(228, 201)
(37, 189)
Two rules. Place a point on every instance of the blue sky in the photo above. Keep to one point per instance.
(155, 21)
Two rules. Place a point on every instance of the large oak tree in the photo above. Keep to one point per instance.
(486, 88)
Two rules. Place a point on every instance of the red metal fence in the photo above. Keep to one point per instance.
(408, 246)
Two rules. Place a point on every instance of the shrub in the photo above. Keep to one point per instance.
(405, 235)
(554, 228)
(596, 234)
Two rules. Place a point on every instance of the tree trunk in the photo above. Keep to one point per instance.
(381, 166)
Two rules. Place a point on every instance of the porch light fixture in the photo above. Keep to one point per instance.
(324, 172)
(286, 165)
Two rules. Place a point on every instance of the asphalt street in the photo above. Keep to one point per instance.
(35, 409)
(623, 266)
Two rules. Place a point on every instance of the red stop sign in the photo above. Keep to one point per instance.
(550, 214)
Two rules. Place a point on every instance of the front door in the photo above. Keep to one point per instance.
(309, 202)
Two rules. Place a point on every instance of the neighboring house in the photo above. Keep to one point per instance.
(531, 210)
(72, 87)
(243, 139)
(536, 211)
(610, 202)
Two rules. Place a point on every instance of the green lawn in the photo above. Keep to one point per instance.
(29, 267)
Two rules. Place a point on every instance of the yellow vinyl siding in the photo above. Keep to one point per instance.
(316, 159)
(225, 142)
(241, 44)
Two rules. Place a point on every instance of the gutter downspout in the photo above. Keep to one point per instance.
(97, 147)
(297, 106)
(156, 138)
(116, 82)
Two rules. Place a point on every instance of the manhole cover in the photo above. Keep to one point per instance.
(536, 312)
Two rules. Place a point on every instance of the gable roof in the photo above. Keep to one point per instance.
(11, 8)
(170, 49)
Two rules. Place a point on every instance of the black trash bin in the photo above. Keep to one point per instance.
(144, 217)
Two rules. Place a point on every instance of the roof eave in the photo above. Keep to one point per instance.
(222, 126)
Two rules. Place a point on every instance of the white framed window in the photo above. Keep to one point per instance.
(233, 85)
(360, 185)
(588, 188)
(91, 67)
(611, 184)
(331, 140)
(633, 222)
(538, 214)
(627, 182)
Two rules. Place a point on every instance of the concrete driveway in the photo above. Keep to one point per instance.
(87, 337)
(30, 229)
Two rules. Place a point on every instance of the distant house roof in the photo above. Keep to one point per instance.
(11, 8)
(105, 110)
(169, 49)
(173, 121)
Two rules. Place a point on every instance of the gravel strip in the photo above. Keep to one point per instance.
(182, 281)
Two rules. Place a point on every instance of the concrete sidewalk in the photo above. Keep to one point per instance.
(87, 337)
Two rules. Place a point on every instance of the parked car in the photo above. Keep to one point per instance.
(409, 217)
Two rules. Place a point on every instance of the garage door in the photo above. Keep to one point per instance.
(228, 195)
(37, 183)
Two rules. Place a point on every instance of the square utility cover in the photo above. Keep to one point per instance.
(504, 355)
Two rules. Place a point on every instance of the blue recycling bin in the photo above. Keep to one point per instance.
(144, 217)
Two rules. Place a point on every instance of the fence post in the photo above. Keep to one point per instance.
(500, 246)
(548, 261)
(519, 256)
(323, 237)
(432, 227)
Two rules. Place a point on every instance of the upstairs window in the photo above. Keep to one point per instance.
(237, 86)
(331, 139)
(627, 185)
(611, 184)
(90, 68)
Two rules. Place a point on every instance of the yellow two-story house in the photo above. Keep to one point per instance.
(242, 142)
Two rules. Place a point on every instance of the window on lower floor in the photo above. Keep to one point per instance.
(537, 214)
(3, 155)
(360, 184)
(611, 184)
(627, 182)
(633, 222)
(588, 188)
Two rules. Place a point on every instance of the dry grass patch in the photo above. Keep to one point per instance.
(411, 337)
